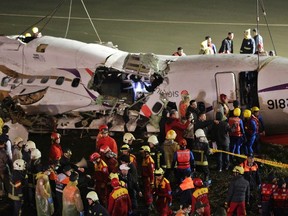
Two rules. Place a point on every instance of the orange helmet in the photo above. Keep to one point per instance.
(183, 142)
(198, 182)
(103, 128)
(184, 92)
(94, 156)
(55, 136)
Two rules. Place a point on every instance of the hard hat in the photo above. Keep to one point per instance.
(30, 145)
(199, 133)
(28, 35)
(17, 140)
(223, 97)
(198, 182)
(35, 30)
(19, 164)
(125, 147)
(247, 113)
(159, 171)
(184, 92)
(145, 148)
(183, 142)
(55, 136)
(94, 156)
(238, 169)
(103, 128)
(237, 112)
(93, 196)
(128, 137)
(153, 139)
(113, 175)
(171, 135)
(255, 109)
(124, 167)
(35, 154)
(115, 182)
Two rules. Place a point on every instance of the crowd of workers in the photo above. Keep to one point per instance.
(171, 167)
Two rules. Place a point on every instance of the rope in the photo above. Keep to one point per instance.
(69, 18)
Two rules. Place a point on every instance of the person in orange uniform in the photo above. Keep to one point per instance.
(280, 199)
(72, 202)
(119, 201)
(103, 138)
(125, 150)
(101, 177)
(55, 150)
(163, 192)
(200, 194)
(184, 103)
(148, 168)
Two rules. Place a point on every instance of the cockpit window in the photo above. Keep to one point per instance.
(4, 81)
(60, 80)
(75, 82)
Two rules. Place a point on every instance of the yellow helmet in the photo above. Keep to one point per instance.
(35, 30)
(113, 175)
(237, 112)
(28, 35)
(159, 171)
(238, 169)
(145, 148)
(125, 147)
(171, 135)
(255, 109)
(247, 113)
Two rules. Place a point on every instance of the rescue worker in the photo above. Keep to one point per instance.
(184, 103)
(125, 150)
(18, 181)
(109, 157)
(193, 108)
(157, 152)
(95, 208)
(61, 182)
(185, 161)
(18, 144)
(43, 193)
(8, 144)
(280, 199)
(104, 139)
(223, 106)
(237, 133)
(200, 195)
(131, 183)
(185, 190)
(200, 151)
(248, 43)
(55, 150)
(128, 138)
(125, 159)
(3, 168)
(261, 128)
(169, 147)
(119, 201)
(251, 174)
(189, 134)
(238, 193)
(72, 202)
(163, 193)
(148, 167)
(251, 126)
(101, 177)
(26, 153)
(66, 157)
(267, 190)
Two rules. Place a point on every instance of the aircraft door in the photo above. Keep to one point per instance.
(226, 84)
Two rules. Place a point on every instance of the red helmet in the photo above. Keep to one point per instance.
(94, 156)
(103, 127)
(183, 142)
(198, 182)
(223, 97)
(55, 136)
(115, 182)
(184, 92)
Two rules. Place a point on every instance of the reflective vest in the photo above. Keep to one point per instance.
(248, 126)
(280, 198)
(267, 191)
(200, 192)
(183, 159)
(61, 182)
(234, 123)
(249, 168)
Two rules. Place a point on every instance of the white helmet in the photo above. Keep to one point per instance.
(17, 140)
(30, 145)
(19, 164)
(153, 139)
(199, 133)
(35, 154)
(128, 137)
(92, 195)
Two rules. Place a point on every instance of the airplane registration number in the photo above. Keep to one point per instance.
(277, 104)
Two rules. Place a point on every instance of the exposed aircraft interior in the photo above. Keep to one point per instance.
(248, 88)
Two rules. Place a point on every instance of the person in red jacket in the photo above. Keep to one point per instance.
(119, 201)
(163, 192)
(280, 199)
(109, 158)
(200, 195)
(55, 150)
(103, 139)
(148, 168)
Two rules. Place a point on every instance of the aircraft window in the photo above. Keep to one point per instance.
(5, 81)
(75, 82)
(60, 80)
(31, 80)
(17, 80)
(41, 48)
(44, 80)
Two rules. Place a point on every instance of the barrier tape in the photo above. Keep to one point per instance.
(268, 162)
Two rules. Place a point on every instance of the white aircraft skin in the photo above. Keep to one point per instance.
(41, 74)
